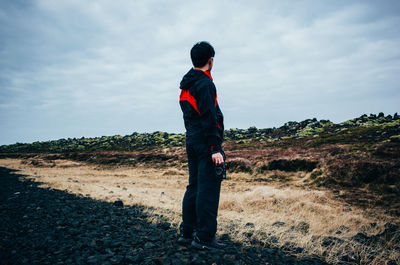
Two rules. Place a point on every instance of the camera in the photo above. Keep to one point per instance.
(220, 170)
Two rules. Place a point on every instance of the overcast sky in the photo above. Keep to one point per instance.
(93, 68)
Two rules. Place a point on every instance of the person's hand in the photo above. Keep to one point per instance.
(217, 158)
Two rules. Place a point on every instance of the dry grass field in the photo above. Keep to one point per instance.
(294, 217)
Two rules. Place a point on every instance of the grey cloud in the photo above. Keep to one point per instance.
(72, 69)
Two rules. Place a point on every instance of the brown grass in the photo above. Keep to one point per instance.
(309, 215)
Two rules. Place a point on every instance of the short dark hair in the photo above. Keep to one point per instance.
(200, 53)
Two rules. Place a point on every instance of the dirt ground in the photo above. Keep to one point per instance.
(251, 211)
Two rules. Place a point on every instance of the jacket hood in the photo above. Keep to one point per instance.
(191, 77)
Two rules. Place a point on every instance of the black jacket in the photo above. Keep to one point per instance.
(201, 113)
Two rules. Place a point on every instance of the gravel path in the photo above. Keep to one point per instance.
(47, 226)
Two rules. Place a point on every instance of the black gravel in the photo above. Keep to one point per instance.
(48, 226)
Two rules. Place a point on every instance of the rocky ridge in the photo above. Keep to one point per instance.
(381, 128)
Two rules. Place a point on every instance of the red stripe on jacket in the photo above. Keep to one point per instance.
(185, 95)
(208, 73)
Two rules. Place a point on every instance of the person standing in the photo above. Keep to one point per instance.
(203, 121)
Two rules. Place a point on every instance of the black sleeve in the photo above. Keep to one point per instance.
(206, 103)
(220, 122)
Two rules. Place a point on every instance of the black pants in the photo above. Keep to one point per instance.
(200, 203)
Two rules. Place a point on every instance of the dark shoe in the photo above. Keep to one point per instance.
(214, 244)
(184, 240)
